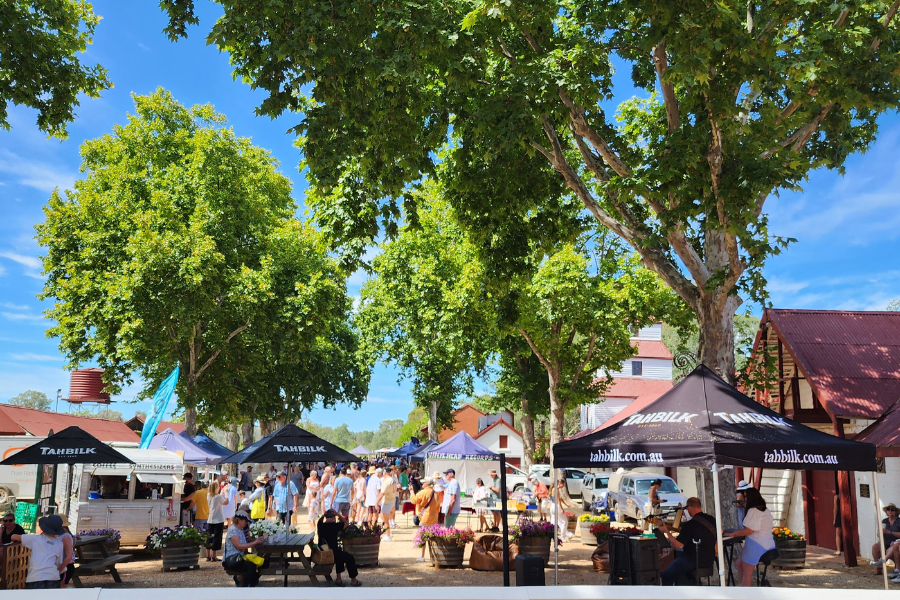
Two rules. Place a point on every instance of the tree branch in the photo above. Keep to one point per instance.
(217, 352)
(885, 22)
(534, 349)
(668, 90)
(802, 135)
(582, 128)
(584, 363)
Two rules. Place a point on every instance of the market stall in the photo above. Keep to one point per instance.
(464, 455)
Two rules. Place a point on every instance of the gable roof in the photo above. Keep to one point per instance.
(41, 422)
(651, 349)
(498, 423)
(851, 358)
(884, 433)
(467, 405)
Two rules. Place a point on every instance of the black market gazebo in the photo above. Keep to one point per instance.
(290, 444)
(704, 422)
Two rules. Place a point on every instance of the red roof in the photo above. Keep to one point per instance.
(40, 422)
(851, 358)
(651, 349)
(884, 433)
(498, 423)
(644, 391)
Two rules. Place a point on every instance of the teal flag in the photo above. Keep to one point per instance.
(160, 402)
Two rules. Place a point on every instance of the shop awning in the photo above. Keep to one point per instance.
(158, 478)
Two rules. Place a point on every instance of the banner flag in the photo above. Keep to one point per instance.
(160, 403)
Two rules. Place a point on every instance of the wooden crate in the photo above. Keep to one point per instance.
(14, 564)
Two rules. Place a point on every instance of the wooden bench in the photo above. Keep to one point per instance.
(99, 567)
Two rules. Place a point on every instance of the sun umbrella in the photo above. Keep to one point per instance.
(290, 444)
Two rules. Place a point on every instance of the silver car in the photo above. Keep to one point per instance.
(594, 488)
(629, 496)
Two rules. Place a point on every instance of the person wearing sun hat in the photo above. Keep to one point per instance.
(47, 563)
(740, 500)
(891, 526)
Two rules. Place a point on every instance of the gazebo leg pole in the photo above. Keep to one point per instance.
(719, 541)
(880, 528)
(555, 532)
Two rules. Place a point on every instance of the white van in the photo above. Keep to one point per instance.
(17, 480)
(131, 498)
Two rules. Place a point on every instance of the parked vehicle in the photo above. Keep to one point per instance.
(629, 495)
(17, 481)
(594, 488)
(516, 478)
(543, 473)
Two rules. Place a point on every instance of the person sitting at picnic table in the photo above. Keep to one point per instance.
(47, 564)
(237, 543)
(702, 527)
(10, 528)
(757, 532)
(328, 528)
(891, 526)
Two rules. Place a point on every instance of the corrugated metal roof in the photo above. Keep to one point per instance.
(884, 433)
(652, 349)
(852, 358)
(40, 422)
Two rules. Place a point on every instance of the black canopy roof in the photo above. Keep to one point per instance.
(71, 446)
(290, 444)
(702, 421)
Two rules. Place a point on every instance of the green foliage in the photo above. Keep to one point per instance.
(178, 246)
(38, 59)
(426, 310)
(893, 305)
(101, 413)
(32, 399)
(383, 437)
(416, 421)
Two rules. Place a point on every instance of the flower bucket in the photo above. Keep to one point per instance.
(587, 538)
(791, 554)
(539, 546)
(364, 551)
(446, 555)
(180, 555)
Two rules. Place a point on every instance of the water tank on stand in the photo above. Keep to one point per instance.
(87, 385)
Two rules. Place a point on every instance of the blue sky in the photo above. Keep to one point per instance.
(847, 227)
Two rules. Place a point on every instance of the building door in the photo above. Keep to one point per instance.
(824, 489)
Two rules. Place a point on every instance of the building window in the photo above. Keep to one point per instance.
(503, 441)
(637, 368)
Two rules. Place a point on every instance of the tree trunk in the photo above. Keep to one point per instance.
(528, 445)
(557, 414)
(432, 421)
(716, 349)
(190, 421)
(247, 433)
(264, 428)
(231, 441)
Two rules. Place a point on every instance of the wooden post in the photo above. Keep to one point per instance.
(846, 506)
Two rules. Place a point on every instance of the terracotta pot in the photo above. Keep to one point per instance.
(446, 555)
(364, 551)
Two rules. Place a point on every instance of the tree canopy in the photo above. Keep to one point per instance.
(32, 399)
(39, 44)
(179, 246)
(733, 102)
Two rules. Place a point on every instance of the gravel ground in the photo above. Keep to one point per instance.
(398, 567)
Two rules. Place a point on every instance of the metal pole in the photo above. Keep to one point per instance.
(555, 532)
(504, 514)
(880, 528)
(719, 541)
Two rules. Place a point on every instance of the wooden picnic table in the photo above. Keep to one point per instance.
(287, 555)
(101, 565)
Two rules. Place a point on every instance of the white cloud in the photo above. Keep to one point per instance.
(39, 175)
(786, 286)
(22, 317)
(32, 264)
(12, 306)
(143, 47)
(31, 357)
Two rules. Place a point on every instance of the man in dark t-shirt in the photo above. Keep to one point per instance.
(10, 528)
(701, 527)
(187, 498)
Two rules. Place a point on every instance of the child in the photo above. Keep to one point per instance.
(48, 560)
(313, 513)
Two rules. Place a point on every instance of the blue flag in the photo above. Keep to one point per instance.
(160, 402)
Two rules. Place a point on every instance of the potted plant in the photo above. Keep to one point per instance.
(179, 546)
(266, 528)
(92, 552)
(585, 523)
(363, 542)
(447, 545)
(533, 537)
(791, 548)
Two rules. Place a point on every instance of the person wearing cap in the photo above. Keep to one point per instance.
(284, 498)
(891, 529)
(237, 543)
(187, 498)
(47, 564)
(373, 490)
(328, 529)
(494, 494)
(386, 495)
(452, 496)
(258, 498)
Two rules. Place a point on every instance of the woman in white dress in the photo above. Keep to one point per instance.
(480, 495)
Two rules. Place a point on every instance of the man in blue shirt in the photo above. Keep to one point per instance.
(343, 491)
(452, 492)
(284, 498)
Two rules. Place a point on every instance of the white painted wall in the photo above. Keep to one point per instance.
(654, 368)
(595, 415)
(687, 480)
(653, 332)
(491, 441)
(888, 491)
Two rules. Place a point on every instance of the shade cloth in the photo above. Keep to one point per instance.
(71, 446)
(702, 421)
(419, 455)
(461, 446)
(194, 453)
(291, 444)
(210, 445)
